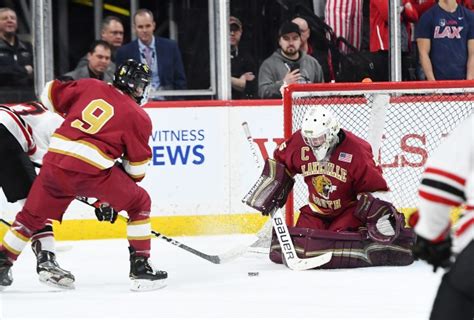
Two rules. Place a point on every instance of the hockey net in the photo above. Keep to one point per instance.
(404, 122)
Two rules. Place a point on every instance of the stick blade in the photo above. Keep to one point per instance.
(310, 263)
(232, 254)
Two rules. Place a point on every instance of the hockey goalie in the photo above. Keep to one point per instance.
(348, 212)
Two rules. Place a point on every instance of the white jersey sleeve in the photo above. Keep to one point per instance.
(448, 181)
(32, 126)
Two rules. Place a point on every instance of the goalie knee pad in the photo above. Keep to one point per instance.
(350, 249)
(271, 189)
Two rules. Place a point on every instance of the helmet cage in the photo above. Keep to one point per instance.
(133, 78)
(315, 142)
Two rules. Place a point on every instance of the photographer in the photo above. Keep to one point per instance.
(288, 64)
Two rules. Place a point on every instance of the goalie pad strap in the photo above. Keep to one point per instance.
(271, 189)
(350, 249)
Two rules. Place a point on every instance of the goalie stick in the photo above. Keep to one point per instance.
(281, 229)
(216, 259)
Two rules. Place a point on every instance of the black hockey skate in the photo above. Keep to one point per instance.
(48, 269)
(142, 274)
(6, 277)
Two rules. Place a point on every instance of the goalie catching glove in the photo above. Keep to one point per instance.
(383, 221)
(271, 189)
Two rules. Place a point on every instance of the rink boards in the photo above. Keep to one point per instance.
(201, 168)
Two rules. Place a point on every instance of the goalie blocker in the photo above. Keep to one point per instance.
(271, 189)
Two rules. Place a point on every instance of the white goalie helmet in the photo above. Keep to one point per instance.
(319, 130)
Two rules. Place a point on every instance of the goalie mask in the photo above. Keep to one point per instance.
(133, 78)
(319, 131)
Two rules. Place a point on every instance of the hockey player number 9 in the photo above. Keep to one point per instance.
(94, 116)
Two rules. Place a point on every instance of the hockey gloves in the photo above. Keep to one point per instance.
(438, 253)
(104, 212)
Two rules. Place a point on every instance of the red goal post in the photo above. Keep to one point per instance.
(403, 122)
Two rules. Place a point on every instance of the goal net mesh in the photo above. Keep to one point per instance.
(402, 124)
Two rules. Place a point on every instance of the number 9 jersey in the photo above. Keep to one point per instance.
(101, 125)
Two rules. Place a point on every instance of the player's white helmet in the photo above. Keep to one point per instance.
(319, 130)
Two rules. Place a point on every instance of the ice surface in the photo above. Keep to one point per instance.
(199, 289)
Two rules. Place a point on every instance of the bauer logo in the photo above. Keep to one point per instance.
(284, 239)
(177, 147)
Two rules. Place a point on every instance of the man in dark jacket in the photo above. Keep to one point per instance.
(16, 57)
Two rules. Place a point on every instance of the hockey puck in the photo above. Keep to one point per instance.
(252, 274)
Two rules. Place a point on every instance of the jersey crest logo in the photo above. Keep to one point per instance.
(345, 157)
(323, 186)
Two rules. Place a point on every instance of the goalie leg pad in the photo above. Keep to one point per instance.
(271, 189)
(350, 249)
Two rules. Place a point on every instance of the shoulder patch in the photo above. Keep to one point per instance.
(345, 157)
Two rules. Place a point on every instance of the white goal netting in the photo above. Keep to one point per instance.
(404, 123)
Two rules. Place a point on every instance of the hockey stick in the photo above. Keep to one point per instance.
(281, 229)
(264, 235)
(216, 259)
(251, 145)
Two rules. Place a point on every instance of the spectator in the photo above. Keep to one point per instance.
(161, 54)
(379, 37)
(288, 64)
(321, 54)
(445, 35)
(112, 32)
(345, 18)
(244, 84)
(16, 56)
(98, 64)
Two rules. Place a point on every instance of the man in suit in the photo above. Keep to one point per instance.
(160, 54)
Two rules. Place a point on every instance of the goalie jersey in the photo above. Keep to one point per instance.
(333, 185)
(102, 124)
(448, 181)
(32, 126)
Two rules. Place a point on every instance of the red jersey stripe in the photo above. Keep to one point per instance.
(438, 199)
(448, 175)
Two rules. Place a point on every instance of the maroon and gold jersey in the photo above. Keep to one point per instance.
(101, 125)
(333, 185)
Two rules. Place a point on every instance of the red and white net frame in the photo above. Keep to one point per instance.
(403, 121)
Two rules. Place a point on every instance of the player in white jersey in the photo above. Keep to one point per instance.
(25, 131)
(448, 181)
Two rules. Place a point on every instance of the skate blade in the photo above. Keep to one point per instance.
(47, 278)
(147, 285)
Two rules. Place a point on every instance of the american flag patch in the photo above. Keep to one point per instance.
(345, 157)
